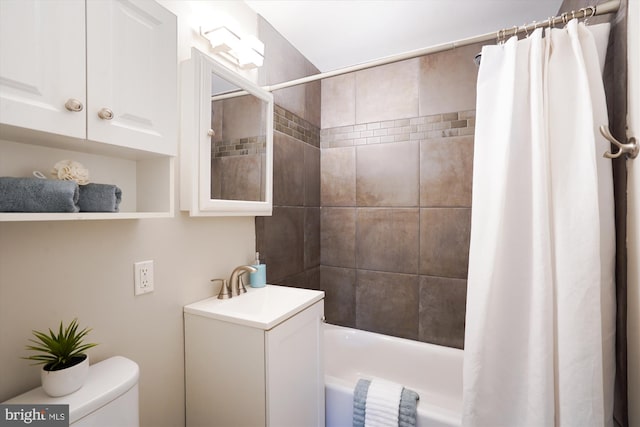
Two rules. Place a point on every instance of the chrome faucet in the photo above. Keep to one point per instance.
(235, 282)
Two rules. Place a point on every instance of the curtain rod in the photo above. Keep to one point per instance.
(587, 12)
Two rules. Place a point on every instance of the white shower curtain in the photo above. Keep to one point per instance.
(539, 343)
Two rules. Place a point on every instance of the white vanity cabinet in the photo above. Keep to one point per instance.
(256, 362)
(96, 82)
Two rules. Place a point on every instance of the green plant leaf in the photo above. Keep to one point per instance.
(58, 351)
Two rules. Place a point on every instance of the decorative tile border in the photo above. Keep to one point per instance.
(239, 147)
(288, 123)
(418, 128)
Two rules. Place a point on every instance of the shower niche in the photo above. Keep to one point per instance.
(226, 142)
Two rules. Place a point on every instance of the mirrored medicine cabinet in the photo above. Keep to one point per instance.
(226, 141)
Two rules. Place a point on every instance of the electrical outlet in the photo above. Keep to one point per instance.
(143, 277)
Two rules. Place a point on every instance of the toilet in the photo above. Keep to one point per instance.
(108, 398)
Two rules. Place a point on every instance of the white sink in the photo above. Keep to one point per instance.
(261, 308)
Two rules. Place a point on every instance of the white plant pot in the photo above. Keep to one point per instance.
(65, 381)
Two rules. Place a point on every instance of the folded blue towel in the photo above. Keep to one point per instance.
(407, 411)
(38, 195)
(99, 198)
(360, 402)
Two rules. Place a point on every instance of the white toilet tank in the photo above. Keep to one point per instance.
(108, 398)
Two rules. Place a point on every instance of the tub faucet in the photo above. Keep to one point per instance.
(235, 282)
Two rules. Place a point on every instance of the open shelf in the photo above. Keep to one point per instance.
(146, 179)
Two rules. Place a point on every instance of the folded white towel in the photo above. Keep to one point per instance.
(383, 401)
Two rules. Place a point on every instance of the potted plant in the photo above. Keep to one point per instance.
(65, 364)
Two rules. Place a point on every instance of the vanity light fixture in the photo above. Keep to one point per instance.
(251, 54)
(221, 39)
(247, 52)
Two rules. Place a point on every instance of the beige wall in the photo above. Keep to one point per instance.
(52, 271)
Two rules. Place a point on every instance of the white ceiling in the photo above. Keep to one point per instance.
(337, 33)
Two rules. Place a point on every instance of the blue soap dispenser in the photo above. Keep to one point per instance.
(259, 278)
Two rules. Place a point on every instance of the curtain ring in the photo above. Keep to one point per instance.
(573, 14)
(592, 10)
(564, 18)
(526, 31)
(551, 22)
(515, 30)
(584, 12)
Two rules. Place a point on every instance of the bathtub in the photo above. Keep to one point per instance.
(433, 371)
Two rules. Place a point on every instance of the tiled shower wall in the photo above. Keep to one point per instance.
(378, 214)
(396, 168)
(289, 240)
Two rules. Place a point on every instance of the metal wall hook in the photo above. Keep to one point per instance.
(631, 148)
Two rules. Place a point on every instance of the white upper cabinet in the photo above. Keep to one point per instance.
(93, 81)
(42, 65)
(111, 78)
(132, 75)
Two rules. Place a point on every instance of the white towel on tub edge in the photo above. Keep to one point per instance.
(383, 401)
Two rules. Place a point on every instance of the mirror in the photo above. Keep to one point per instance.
(227, 141)
(238, 143)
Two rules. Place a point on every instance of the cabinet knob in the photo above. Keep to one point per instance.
(211, 132)
(73, 104)
(105, 114)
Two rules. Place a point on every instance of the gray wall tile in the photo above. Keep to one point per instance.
(444, 242)
(339, 285)
(448, 80)
(237, 177)
(311, 237)
(280, 241)
(283, 62)
(288, 170)
(292, 99)
(387, 240)
(313, 98)
(442, 310)
(387, 174)
(338, 177)
(387, 303)
(338, 237)
(338, 101)
(308, 279)
(242, 117)
(298, 280)
(388, 92)
(311, 175)
(279, 51)
(313, 278)
(446, 171)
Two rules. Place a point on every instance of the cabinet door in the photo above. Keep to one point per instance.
(295, 370)
(42, 65)
(132, 75)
